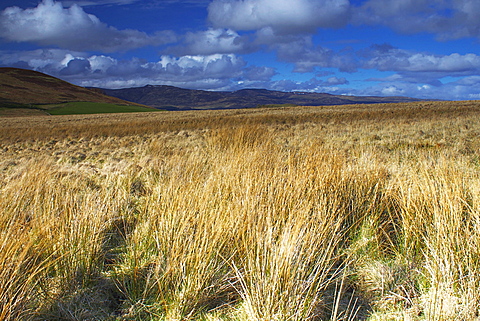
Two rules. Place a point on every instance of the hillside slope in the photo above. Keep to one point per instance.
(24, 88)
(173, 98)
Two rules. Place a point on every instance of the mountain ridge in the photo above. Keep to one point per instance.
(175, 98)
(27, 88)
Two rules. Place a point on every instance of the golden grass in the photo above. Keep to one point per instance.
(304, 213)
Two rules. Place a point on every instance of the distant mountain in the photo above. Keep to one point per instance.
(25, 88)
(173, 98)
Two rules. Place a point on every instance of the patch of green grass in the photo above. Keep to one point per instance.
(76, 108)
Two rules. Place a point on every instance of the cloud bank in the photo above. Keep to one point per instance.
(447, 20)
(190, 71)
(212, 41)
(49, 24)
(282, 16)
(80, 48)
(231, 72)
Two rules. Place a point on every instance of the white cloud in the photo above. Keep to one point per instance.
(198, 72)
(469, 81)
(311, 85)
(392, 91)
(283, 16)
(41, 59)
(474, 96)
(450, 63)
(335, 81)
(86, 3)
(306, 57)
(192, 71)
(387, 58)
(255, 73)
(455, 90)
(446, 19)
(452, 19)
(71, 28)
(197, 67)
(76, 67)
(101, 63)
(212, 41)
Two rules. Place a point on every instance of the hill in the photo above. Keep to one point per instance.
(27, 88)
(174, 98)
(31, 89)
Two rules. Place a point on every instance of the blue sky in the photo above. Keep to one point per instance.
(416, 48)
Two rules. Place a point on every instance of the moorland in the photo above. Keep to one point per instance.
(358, 212)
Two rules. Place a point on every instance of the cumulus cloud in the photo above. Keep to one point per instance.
(71, 28)
(185, 71)
(454, 90)
(446, 19)
(75, 67)
(85, 3)
(469, 81)
(388, 58)
(282, 16)
(218, 71)
(212, 41)
(198, 72)
(256, 73)
(306, 57)
(41, 59)
(418, 68)
(335, 81)
(392, 91)
(416, 74)
(311, 85)
(454, 63)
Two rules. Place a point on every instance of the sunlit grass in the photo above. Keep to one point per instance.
(278, 214)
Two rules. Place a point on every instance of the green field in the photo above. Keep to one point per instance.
(77, 108)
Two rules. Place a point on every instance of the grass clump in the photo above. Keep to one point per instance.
(272, 214)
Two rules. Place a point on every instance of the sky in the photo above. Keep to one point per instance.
(418, 48)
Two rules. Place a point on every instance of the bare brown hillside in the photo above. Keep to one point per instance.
(20, 87)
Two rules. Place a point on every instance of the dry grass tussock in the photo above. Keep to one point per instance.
(305, 213)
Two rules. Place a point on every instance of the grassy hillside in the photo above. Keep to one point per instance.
(305, 213)
(27, 88)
